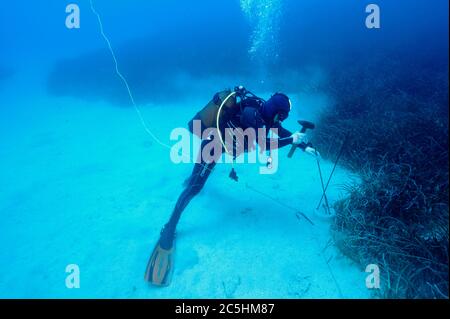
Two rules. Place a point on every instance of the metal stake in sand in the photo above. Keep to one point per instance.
(332, 172)
(327, 206)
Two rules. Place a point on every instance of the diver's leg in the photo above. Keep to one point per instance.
(160, 265)
(197, 180)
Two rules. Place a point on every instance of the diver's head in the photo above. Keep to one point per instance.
(277, 108)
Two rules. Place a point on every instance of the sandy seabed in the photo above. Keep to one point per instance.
(82, 183)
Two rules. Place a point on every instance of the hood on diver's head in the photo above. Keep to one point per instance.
(279, 104)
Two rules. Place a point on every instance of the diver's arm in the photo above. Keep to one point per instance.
(282, 142)
(285, 138)
(282, 132)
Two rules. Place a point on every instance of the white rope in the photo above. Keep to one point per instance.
(124, 80)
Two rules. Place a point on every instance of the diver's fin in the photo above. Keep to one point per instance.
(160, 266)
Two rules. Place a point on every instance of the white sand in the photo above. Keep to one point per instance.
(82, 183)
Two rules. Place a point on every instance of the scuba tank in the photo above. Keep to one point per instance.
(208, 115)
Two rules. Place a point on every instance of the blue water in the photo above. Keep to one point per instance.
(82, 182)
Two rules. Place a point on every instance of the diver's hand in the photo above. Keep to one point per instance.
(313, 152)
(299, 138)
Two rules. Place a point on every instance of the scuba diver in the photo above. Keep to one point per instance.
(227, 110)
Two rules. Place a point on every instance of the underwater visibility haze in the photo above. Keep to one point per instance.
(98, 199)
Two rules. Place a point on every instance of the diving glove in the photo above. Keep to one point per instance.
(299, 138)
(313, 152)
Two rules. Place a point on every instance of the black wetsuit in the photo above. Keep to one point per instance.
(203, 169)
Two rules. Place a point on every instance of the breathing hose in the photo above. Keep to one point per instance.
(218, 116)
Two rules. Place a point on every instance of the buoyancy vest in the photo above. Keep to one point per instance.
(208, 115)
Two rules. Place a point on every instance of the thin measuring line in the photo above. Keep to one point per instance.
(279, 203)
(124, 80)
(314, 232)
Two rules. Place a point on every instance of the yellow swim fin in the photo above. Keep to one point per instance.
(160, 266)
